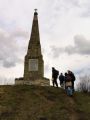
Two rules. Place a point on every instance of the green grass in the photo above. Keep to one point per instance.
(35, 102)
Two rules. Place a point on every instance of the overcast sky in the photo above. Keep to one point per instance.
(64, 27)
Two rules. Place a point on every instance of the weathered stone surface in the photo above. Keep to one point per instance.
(34, 70)
(33, 63)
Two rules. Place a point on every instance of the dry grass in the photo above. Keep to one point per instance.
(42, 103)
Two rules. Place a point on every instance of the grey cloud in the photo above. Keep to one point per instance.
(80, 71)
(86, 14)
(10, 50)
(19, 33)
(8, 64)
(55, 51)
(82, 46)
(83, 70)
(72, 3)
(66, 5)
(83, 7)
(61, 8)
(86, 9)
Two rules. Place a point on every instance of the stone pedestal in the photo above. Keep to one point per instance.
(38, 82)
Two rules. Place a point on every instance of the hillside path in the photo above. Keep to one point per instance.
(74, 115)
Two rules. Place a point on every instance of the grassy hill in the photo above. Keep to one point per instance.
(42, 103)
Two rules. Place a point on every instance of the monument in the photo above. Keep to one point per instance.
(33, 63)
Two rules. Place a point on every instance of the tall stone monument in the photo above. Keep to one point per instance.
(33, 63)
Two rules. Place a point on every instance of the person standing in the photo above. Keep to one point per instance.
(65, 79)
(62, 80)
(55, 74)
(73, 78)
(68, 84)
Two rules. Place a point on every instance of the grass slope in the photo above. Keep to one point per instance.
(42, 103)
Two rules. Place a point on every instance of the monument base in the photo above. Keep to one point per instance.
(39, 82)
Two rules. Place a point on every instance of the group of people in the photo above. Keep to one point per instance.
(66, 80)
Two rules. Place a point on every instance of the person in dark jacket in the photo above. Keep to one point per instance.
(55, 74)
(73, 78)
(62, 79)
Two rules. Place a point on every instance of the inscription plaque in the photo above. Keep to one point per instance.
(33, 64)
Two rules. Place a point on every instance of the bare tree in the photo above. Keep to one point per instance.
(84, 84)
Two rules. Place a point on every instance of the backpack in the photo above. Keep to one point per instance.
(56, 72)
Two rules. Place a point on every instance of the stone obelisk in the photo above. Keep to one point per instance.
(34, 64)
